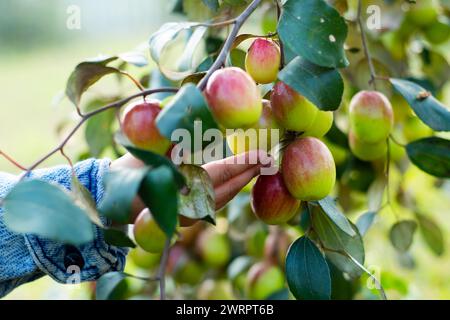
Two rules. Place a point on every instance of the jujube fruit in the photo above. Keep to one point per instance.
(321, 125)
(262, 61)
(147, 233)
(308, 169)
(292, 111)
(233, 98)
(367, 151)
(214, 248)
(140, 127)
(271, 201)
(371, 116)
(263, 279)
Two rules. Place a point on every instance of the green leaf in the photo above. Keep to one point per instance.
(200, 201)
(322, 86)
(402, 234)
(212, 4)
(330, 209)
(237, 58)
(47, 210)
(159, 193)
(158, 80)
(121, 189)
(161, 40)
(365, 221)
(432, 234)
(117, 238)
(307, 272)
(187, 106)
(98, 132)
(431, 155)
(111, 286)
(151, 159)
(136, 58)
(337, 240)
(432, 112)
(315, 31)
(84, 200)
(86, 74)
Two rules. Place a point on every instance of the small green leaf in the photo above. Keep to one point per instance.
(432, 234)
(200, 201)
(402, 234)
(212, 4)
(340, 243)
(431, 155)
(432, 112)
(135, 58)
(84, 200)
(111, 286)
(117, 238)
(47, 210)
(239, 266)
(98, 132)
(121, 189)
(331, 210)
(322, 86)
(187, 106)
(237, 58)
(365, 221)
(315, 31)
(307, 272)
(151, 159)
(159, 193)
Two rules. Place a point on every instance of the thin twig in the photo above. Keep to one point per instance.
(85, 117)
(373, 75)
(218, 23)
(12, 161)
(162, 270)
(239, 21)
(282, 62)
(136, 82)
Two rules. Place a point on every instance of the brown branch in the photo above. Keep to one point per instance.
(237, 24)
(114, 105)
(12, 161)
(373, 75)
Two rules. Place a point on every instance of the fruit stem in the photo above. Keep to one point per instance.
(373, 75)
(135, 81)
(237, 24)
(162, 270)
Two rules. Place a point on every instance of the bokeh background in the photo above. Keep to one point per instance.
(37, 54)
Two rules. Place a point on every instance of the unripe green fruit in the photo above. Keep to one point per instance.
(263, 280)
(233, 98)
(269, 20)
(339, 153)
(371, 116)
(321, 125)
(213, 248)
(239, 142)
(422, 13)
(215, 290)
(292, 111)
(367, 151)
(308, 169)
(140, 127)
(147, 233)
(439, 31)
(256, 235)
(144, 259)
(415, 129)
(189, 272)
(262, 61)
(271, 201)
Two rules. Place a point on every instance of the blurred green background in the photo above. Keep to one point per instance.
(37, 54)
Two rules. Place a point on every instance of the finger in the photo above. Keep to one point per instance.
(228, 190)
(223, 170)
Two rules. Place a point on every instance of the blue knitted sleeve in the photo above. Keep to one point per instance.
(26, 257)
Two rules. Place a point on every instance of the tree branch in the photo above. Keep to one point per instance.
(162, 270)
(373, 75)
(115, 105)
(237, 24)
(12, 161)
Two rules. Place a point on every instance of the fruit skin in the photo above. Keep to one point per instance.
(292, 111)
(139, 126)
(262, 61)
(213, 248)
(367, 151)
(239, 142)
(263, 279)
(308, 169)
(147, 233)
(215, 290)
(321, 125)
(234, 98)
(144, 259)
(371, 116)
(271, 201)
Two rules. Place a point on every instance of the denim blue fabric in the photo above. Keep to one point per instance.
(26, 257)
